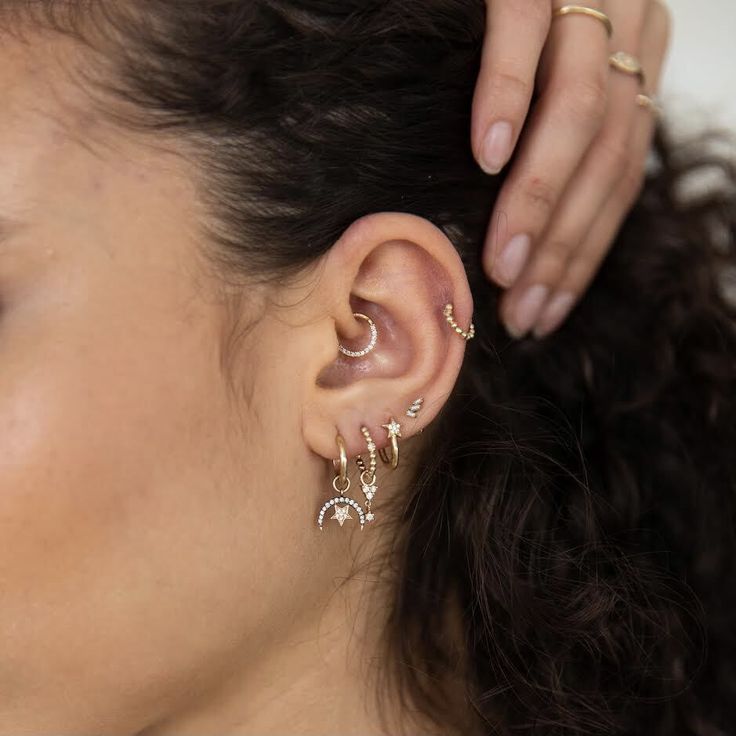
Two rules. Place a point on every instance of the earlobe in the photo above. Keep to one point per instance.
(400, 272)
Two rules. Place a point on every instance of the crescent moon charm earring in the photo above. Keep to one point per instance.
(341, 484)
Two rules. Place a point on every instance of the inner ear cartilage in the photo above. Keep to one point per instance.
(468, 334)
(368, 474)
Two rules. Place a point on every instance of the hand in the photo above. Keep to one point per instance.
(581, 157)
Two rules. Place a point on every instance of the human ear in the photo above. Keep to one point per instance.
(401, 271)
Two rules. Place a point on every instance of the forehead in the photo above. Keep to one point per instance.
(44, 115)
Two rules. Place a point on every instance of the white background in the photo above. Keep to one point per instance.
(699, 83)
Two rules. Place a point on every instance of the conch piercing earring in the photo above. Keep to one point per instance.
(449, 316)
(341, 484)
(394, 430)
(371, 344)
(415, 408)
(368, 475)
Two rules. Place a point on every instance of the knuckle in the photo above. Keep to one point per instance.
(541, 195)
(506, 82)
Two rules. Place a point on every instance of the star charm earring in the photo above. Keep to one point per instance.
(394, 430)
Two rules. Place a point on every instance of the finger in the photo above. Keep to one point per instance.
(655, 41)
(567, 117)
(515, 35)
(603, 167)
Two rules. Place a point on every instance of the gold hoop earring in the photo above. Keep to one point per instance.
(371, 344)
(368, 474)
(394, 431)
(341, 484)
(449, 316)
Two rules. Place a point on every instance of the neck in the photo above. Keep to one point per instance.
(314, 678)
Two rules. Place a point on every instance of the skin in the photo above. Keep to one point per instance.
(579, 159)
(162, 572)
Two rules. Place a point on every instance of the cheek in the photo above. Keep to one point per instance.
(109, 506)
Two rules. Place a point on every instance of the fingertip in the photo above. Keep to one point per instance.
(495, 150)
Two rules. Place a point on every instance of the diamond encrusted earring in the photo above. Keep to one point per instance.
(368, 474)
(371, 344)
(341, 484)
(415, 408)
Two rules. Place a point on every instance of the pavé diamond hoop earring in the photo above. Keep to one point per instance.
(371, 344)
(341, 484)
(368, 474)
(394, 431)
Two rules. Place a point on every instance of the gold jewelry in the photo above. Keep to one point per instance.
(394, 431)
(415, 408)
(368, 475)
(341, 484)
(371, 344)
(582, 10)
(448, 312)
(628, 64)
(646, 101)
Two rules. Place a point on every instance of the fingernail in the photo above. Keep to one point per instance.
(512, 259)
(554, 313)
(527, 310)
(496, 148)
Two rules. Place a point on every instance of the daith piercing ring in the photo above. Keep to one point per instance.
(371, 344)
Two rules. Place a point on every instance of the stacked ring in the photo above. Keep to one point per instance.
(628, 64)
(646, 101)
(582, 10)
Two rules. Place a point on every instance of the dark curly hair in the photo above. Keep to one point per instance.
(573, 515)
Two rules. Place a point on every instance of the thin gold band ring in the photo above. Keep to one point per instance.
(582, 10)
(628, 64)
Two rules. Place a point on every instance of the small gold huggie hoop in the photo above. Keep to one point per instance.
(341, 464)
(394, 431)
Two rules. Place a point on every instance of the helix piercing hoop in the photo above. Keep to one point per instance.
(341, 484)
(368, 474)
(394, 430)
(371, 344)
(449, 316)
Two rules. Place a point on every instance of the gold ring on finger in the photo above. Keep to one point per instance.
(649, 103)
(628, 64)
(582, 10)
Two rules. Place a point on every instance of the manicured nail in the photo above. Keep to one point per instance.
(554, 313)
(496, 148)
(527, 310)
(512, 259)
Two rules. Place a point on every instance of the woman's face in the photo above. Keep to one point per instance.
(135, 483)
